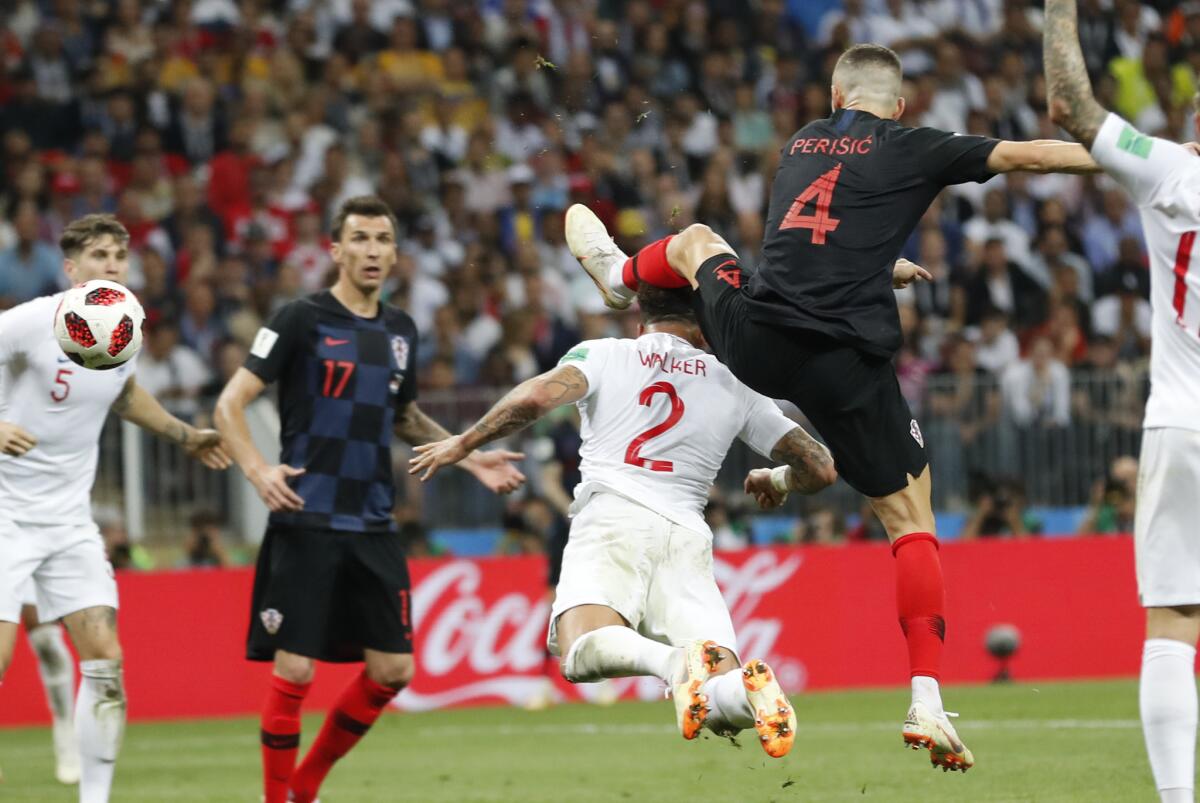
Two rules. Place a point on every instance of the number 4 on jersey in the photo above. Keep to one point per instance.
(821, 192)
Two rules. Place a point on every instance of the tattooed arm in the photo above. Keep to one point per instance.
(523, 405)
(1068, 89)
(810, 465)
(136, 405)
(807, 468)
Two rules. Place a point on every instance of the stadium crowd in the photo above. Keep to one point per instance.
(223, 134)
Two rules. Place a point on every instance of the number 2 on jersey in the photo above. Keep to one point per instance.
(633, 454)
(821, 193)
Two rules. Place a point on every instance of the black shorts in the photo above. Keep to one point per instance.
(851, 397)
(329, 595)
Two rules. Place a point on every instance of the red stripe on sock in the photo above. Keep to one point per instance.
(356, 710)
(921, 601)
(650, 266)
(280, 736)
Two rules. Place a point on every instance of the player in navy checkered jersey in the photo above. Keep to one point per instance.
(332, 582)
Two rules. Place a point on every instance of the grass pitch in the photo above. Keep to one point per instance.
(1032, 742)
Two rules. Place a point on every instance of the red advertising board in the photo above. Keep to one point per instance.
(824, 616)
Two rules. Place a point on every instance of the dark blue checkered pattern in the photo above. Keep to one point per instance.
(341, 384)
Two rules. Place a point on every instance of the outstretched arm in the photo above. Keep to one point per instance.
(523, 405)
(136, 405)
(1042, 156)
(1068, 89)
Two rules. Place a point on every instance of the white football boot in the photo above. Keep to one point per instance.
(597, 253)
(66, 753)
(924, 729)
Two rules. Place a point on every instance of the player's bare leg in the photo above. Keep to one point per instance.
(280, 731)
(907, 515)
(100, 704)
(355, 711)
(1167, 698)
(707, 691)
(56, 666)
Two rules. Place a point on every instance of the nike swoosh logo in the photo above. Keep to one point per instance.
(64, 359)
(329, 341)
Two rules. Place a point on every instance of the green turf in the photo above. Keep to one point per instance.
(1032, 742)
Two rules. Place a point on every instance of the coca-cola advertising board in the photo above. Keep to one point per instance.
(823, 616)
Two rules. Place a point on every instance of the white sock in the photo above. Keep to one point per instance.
(618, 652)
(616, 280)
(57, 668)
(926, 690)
(100, 722)
(729, 707)
(1167, 698)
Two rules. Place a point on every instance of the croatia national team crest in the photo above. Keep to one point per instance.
(400, 351)
(272, 620)
(915, 430)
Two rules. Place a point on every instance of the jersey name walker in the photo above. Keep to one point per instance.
(1164, 181)
(63, 405)
(342, 380)
(848, 192)
(659, 417)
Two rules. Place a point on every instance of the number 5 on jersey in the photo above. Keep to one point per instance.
(821, 193)
(633, 454)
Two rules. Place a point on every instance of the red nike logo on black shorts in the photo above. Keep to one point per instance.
(329, 341)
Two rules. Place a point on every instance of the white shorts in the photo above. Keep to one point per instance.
(655, 573)
(64, 563)
(1166, 528)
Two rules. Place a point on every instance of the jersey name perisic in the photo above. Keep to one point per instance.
(848, 192)
(1164, 180)
(659, 417)
(343, 379)
(63, 405)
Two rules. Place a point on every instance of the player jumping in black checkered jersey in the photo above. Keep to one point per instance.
(332, 582)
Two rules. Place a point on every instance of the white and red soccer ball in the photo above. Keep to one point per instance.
(99, 324)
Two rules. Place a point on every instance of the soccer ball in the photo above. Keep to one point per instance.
(99, 324)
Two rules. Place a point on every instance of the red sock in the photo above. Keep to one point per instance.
(352, 716)
(280, 736)
(650, 266)
(921, 601)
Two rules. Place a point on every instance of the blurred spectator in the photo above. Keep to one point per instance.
(169, 370)
(997, 346)
(122, 553)
(527, 526)
(1000, 283)
(964, 409)
(1037, 390)
(1113, 501)
(204, 547)
(822, 525)
(726, 535)
(1124, 316)
(30, 267)
(1103, 232)
(999, 511)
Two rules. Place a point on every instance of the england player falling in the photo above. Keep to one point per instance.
(53, 412)
(332, 582)
(817, 323)
(1164, 180)
(637, 594)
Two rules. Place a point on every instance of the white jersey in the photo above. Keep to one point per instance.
(1164, 180)
(659, 417)
(61, 404)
